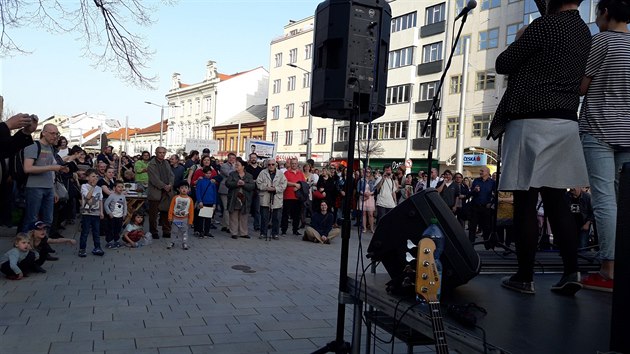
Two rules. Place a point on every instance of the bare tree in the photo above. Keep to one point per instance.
(370, 149)
(106, 27)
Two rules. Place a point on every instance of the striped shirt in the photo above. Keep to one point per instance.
(605, 111)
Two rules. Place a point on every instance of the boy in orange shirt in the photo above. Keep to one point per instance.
(180, 215)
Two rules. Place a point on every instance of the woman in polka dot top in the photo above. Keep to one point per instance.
(542, 151)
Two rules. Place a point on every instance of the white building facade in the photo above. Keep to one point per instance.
(194, 109)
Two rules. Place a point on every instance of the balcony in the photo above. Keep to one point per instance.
(432, 29)
(423, 106)
(430, 68)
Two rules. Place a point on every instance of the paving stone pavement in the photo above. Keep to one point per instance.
(154, 300)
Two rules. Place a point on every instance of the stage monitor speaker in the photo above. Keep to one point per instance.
(407, 221)
(349, 71)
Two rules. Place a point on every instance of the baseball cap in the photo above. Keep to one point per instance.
(206, 151)
(38, 225)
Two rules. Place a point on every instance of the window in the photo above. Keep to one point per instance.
(291, 83)
(190, 107)
(434, 14)
(490, 4)
(221, 144)
(481, 124)
(398, 94)
(432, 52)
(459, 48)
(452, 125)
(197, 106)
(485, 81)
(420, 127)
(308, 51)
(403, 22)
(274, 137)
(293, 56)
(290, 109)
(383, 131)
(305, 107)
(489, 39)
(276, 86)
(278, 60)
(303, 136)
(288, 137)
(321, 136)
(343, 133)
(232, 144)
(275, 112)
(400, 57)
(306, 80)
(456, 84)
(428, 90)
(511, 32)
(207, 104)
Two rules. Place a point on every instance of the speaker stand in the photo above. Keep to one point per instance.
(339, 345)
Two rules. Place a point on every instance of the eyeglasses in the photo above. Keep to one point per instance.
(271, 164)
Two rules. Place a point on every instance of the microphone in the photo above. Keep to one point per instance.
(471, 5)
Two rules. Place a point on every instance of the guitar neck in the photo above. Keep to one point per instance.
(438, 328)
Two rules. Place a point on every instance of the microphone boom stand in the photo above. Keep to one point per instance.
(432, 117)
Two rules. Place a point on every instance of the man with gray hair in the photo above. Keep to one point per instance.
(160, 192)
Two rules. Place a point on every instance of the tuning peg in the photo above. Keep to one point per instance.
(409, 257)
(411, 245)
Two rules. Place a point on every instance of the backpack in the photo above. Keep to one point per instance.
(16, 167)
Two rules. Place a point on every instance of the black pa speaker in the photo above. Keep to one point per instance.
(407, 221)
(350, 59)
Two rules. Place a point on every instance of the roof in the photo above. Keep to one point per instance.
(120, 133)
(154, 128)
(254, 114)
(90, 132)
(223, 77)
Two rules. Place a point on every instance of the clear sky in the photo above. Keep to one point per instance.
(56, 79)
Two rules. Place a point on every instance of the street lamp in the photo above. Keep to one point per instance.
(309, 132)
(161, 117)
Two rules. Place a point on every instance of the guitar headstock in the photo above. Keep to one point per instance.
(427, 275)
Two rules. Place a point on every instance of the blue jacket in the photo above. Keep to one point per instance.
(210, 196)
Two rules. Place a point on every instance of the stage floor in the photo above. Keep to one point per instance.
(519, 323)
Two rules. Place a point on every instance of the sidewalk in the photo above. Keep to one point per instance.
(154, 300)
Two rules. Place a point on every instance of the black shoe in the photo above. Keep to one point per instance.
(213, 227)
(225, 229)
(284, 233)
(568, 285)
(155, 236)
(256, 228)
(39, 269)
(246, 236)
(166, 235)
(520, 286)
(208, 235)
(234, 237)
(297, 233)
(51, 258)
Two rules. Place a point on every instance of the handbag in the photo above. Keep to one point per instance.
(318, 195)
(61, 191)
(206, 212)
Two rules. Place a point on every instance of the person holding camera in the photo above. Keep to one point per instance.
(386, 190)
